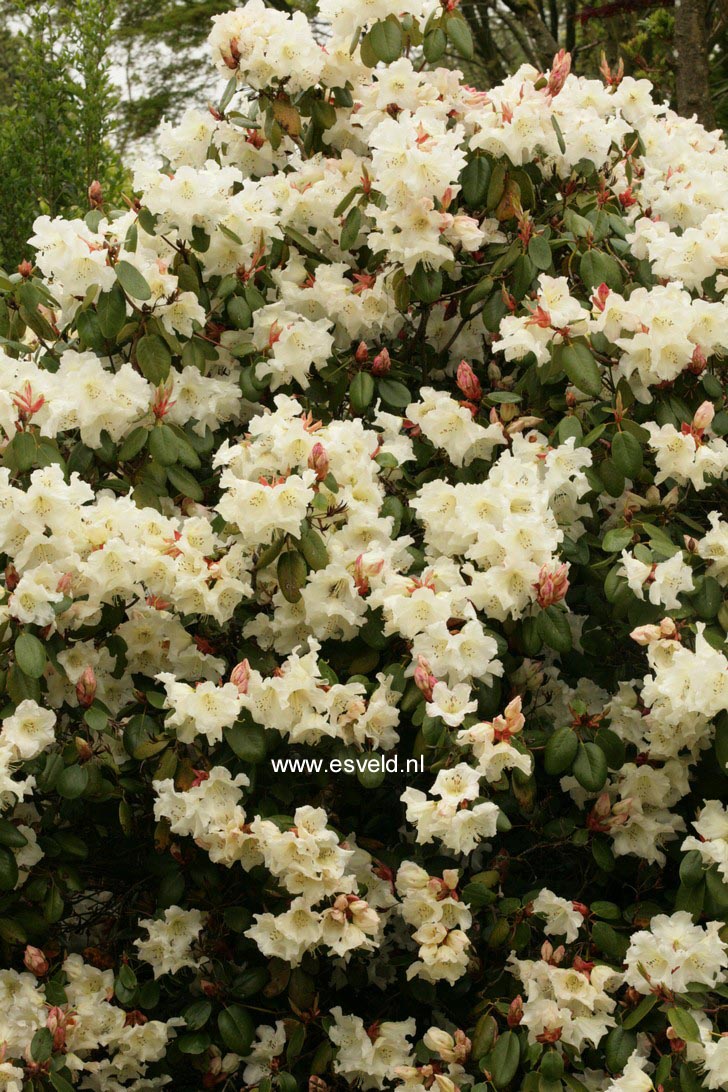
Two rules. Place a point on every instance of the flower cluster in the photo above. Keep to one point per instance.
(363, 612)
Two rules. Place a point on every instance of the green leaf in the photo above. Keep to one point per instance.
(361, 391)
(10, 836)
(239, 313)
(612, 746)
(553, 626)
(194, 1042)
(590, 767)
(637, 1015)
(133, 444)
(434, 45)
(8, 870)
(313, 547)
(426, 283)
(247, 741)
(350, 230)
(618, 1046)
(609, 941)
(627, 454)
(154, 358)
(459, 34)
(559, 135)
(684, 1024)
(484, 1035)
(60, 1083)
(608, 910)
(72, 782)
(30, 655)
(132, 281)
(475, 178)
(386, 40)
(580, 367)
(560, 751)
(41, 1045)
(21, 452)
(539, 252)
(197, 1014)
(236, 1028)
(691, 868)
(597, 268)
(707, 598)
(111, 312)
(504, 1059)
(163, 445)
(185, 483)
(292, 574)
(617, 539)
(394, 393)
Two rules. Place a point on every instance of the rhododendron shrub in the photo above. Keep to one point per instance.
(364, 618)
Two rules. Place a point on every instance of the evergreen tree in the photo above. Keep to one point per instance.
(56, 113)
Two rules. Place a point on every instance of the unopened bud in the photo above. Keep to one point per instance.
(600, 297)
(438, 1041)
(318, 460)
(86, 687)
(552, 585)
(35, 961)
(494, 372)
(25, 269)
(515, 1012)
(362, 353)
(382, 364)
(57, 1021)
(468, 382)
(560, 69)
(240, 676)
(704, 414)
(698, 362)
(424, 679)
(95, 195)
(83, 749)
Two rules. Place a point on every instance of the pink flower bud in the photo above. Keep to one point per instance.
(698, 362)
(645, 635)
(95, 195)
(468, 382)
(35, 961)
(599, 299)
(58, 1022)
(560, 69)
(704, 414)
(382, 364)
(552, 586)
(240, 676)
(86, 687)
(515, 1012)
(362, 353)
(318, 460)
(424, 679)
(64, 584)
